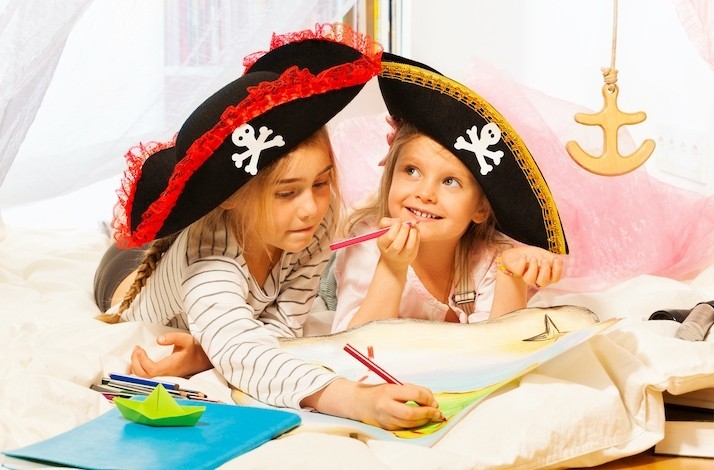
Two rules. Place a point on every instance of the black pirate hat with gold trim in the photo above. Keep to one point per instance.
(473, 130)
(285, 95)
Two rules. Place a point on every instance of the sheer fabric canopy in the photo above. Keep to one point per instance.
(83, 80)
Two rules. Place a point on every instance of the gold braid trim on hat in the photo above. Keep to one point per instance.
(427, 79)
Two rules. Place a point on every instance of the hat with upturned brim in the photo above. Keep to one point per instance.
(285, 95)
(473, 130)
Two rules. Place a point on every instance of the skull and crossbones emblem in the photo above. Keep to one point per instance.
(244, 136)
(490, 135)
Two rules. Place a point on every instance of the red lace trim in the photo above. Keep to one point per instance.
(335, 32)
(293, 84)
(135, 158)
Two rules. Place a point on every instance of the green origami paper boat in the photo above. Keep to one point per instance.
(159, 409)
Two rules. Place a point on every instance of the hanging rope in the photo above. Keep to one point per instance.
(610, 73)
(610, 162)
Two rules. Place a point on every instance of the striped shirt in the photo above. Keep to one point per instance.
(208, 290)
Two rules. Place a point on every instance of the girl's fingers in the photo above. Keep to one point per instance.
(138, 357)
(401, 239)
(514, 268)
(416, 394)
(413, 237)
(537, 267)
(557, 270)
(544, 274)
(417, 416)
(385, 222)
(530, 276)
(179, 340)
(400, 234)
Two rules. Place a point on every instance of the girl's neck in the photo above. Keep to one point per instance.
(260, 263)
(436, 258)
(260, 259)
(434, 266)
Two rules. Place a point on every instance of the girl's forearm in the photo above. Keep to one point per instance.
(510, 294)
(383, 296)
(335, 399)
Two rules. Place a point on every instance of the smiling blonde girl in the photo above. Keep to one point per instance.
(457, 168)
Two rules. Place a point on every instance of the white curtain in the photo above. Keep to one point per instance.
(83, 80)
(697, 17)
(32, 37)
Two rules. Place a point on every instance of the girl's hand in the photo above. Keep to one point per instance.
(187, 358)
(386, 406)
(400, 245)
(536, 266)
(379, 405)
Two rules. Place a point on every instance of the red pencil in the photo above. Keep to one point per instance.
(371, 365)
(367, 236)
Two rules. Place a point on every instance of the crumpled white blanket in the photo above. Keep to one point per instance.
(596, 403)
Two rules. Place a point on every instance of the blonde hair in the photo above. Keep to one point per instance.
(482, 236)
(254, 212)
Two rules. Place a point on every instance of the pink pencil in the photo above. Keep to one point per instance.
(367, 236)
(371, 365)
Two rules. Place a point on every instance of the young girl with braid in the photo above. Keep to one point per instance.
(239, 214)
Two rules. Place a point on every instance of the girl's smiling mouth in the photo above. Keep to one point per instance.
(423, 215)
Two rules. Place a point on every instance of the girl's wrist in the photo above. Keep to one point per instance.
(504, 269)
(329, 400)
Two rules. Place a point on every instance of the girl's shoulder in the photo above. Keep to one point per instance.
(200, 245)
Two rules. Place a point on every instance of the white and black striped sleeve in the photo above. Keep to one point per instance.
(242, 348)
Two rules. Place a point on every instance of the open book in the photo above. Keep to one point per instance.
(460, 364)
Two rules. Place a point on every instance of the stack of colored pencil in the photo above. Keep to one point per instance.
(127, 386)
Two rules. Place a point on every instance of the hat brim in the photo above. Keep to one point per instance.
(519, 195)
(217, 178)
(285, 96)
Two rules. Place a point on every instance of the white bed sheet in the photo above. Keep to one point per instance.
(599, 402)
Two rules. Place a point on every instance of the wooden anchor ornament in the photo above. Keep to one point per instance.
(610, 119)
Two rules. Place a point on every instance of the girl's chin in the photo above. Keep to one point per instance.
(297, 241)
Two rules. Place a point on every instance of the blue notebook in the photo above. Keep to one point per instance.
(112, 442)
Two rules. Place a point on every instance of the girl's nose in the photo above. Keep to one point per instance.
(308, 205)
(426, 192)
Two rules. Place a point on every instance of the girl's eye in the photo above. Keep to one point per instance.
(411, 171)
(284, 194)
(453, 182)
(321, 184)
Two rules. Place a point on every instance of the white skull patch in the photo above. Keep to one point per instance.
(490, 135)
(244, 136)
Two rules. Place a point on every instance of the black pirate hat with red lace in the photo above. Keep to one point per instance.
(285, 95)
(473, 130)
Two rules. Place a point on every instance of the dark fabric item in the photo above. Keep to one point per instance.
(473, 130)
(114, 267)
(674, 314)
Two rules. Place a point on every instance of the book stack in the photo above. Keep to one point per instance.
(689, 425)
(127, 386)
